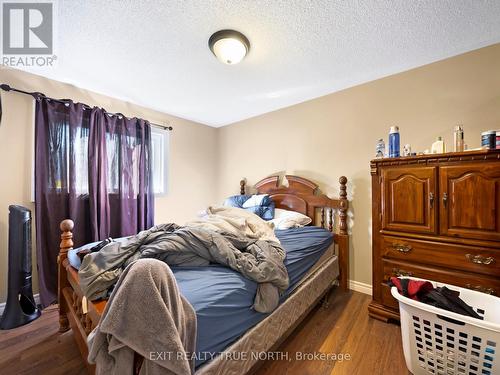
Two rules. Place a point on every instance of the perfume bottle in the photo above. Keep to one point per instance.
(458, 138)
(380, 149)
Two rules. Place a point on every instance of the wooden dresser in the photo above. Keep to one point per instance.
(436, 217)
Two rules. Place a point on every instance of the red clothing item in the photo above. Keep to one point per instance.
(411, 288)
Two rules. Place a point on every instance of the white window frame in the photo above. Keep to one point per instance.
(160, 148)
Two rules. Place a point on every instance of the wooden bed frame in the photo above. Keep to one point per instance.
(301, 195)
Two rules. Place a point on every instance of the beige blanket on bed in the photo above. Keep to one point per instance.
(236, 221)
(145, 314)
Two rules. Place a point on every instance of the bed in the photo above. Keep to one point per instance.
(316, 259)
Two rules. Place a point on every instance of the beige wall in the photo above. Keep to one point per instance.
(192, 166)
(321, 139)
(335, 135)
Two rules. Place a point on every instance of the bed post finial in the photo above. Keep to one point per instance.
(242, 187)
(343, 239)
(66, 244)
(344, 205)
(66, 235)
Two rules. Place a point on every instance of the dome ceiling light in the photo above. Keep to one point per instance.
(229, 46)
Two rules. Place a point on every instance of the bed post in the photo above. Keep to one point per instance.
(343, 237)
(242, 187)
(62, 278)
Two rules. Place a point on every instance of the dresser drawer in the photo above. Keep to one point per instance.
(482, 283)
(473, 259)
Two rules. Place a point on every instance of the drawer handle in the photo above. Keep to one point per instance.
(478, 259)
(431, 199)
(402, 248)
(445, 199)
(399, 273)
(482, 289)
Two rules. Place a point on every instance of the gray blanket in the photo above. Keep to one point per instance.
(258, 260)
(146, 314)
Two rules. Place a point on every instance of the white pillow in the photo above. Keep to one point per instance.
(284, 219)
(254, 200)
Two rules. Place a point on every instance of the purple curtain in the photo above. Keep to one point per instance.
(120, 173)
(92, 168)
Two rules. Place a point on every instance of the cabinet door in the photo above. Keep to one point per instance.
(408, 196)
(470, 201)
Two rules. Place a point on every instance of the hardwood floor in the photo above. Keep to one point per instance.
(342, 329)
(345, 329)
(38, 348)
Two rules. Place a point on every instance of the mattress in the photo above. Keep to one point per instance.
(223, 299)
(304, 248)
(246, 352)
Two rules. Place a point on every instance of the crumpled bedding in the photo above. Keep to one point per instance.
(236, 221)
(229, 236)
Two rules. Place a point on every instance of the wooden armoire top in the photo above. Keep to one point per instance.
(448, 157)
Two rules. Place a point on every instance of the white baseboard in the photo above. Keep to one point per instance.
(360, 287)
(36, 297)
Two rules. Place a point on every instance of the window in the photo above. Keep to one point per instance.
(68, 156)
(160, 148)
(63, 146)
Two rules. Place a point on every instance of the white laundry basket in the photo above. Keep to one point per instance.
(440, 342)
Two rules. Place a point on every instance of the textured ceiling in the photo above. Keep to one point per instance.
(154, 53)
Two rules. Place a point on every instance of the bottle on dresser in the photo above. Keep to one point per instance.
(458, 139)
(438, 147)
(394, 148)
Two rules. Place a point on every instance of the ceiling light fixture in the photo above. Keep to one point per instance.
(229, 46)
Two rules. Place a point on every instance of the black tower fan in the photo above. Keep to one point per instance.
(20, 308)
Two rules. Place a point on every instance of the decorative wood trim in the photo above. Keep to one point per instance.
(380, 312)
(342, 240)
(65, 245)
(450, 157)
(344, 205)
(441, 238)
(330, 219)
(79, 325)
(268, 183)
(305, 190)
(242, 187)
(301, 184)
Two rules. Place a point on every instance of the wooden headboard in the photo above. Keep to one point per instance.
(302, 196)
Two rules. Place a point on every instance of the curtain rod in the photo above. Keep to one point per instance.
(7, 88)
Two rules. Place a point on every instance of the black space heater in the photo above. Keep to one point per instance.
(21, 307)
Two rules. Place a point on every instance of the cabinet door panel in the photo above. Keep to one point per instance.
(470, 196)
(408, 199)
